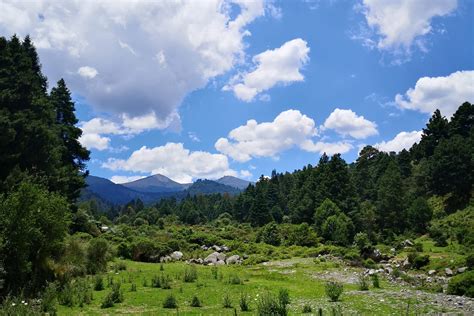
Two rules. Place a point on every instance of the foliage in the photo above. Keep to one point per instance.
(195, 302)
(98, 254)
(244, 302)
(98, 283)
(190, 274)
(418, 261)
(375, 281)
(226, 301)
(363, 282)
(462, 284)
(269, 304)
(114, 296)
(170, 301)
(333, 290)
(270, 234)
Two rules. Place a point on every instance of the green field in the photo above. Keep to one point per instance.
(304, 278)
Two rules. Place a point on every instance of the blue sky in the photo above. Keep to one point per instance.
(170, 87)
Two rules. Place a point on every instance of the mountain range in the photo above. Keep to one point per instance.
(156, 187)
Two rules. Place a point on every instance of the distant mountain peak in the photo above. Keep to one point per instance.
(234, 182)
(156, 183)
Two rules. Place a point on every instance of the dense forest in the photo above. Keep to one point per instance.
(46, 236)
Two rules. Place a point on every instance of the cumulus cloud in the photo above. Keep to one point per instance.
(398, 25)
(87, 72)
(150, 54)
(443, 93)
(347, 122)
(174, 161)
(94, 141)
(278, 66)
(125, 179)
(403, 140)
(245, 174)
(290, 128)
(325, 147)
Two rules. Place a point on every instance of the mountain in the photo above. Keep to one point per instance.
(234, 182)
(156, 184)
(210, 187)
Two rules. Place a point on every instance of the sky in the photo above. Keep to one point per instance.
(207, 88)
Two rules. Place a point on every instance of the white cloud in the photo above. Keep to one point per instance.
(443, 93)
(403, 140)
(193, 136)
(347, 122)
(94, 140)
(151, 54)
(278, 66)
(290, 128)
(325, 147)
(175, 162)
(125, 179)
(398, 25)
(245, 174)
(87, 72)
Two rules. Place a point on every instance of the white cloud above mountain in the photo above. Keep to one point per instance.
(348, 123)
(147, 55)
(279, 66)
(398, 26)
(174, 161)
(443, 93)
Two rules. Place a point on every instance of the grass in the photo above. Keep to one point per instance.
(295, 275)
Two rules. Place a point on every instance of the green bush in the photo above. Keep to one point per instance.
(114, 296)
(334, 290)
(49, 299)
(363, 283)
(98, 253)
(235, 279)
(190, 274)
(170, 301)
(165, 282)
(133, 287)
(195, 302)
(462, 284)
(369, 264)
(470, 261)
(269, 305)
(307, 309)
(155, 281)
(418, 261)
(375, 281)
(227, 302)
(244, 302)
(98, 283)
(284, 297)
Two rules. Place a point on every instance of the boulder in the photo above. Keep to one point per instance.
(408, 243)
(216, 248)
(225, 248)
(235, 259)
(372, 272)
(448, 271)
(219, 263)
(212, 258)
(221, 256)
(431, 272)
(165, 259)
(388, 270)
(204, 247)
(462, 270)
(176, 255)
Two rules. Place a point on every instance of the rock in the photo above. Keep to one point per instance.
(176, 255)
(216, 248)
(448, 271)
(393, 251)
(221, 256)
(376, 254)
(431, 272)
(462, 270)
(408, 243)
(212, 258)
(204, 247)
(219, 263)
(406, 263)
(235, 259)
(225, 248)
(245, 256)
(165, 259)
(372, 272)
(388, 270)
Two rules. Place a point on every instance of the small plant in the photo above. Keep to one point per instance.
(120, 266)
(269, 304)
(333, 290)
(195, 302)
(133, 287)
(162, 267)
(363, 283)
(48, 299)
(462, 284)
(418, 261)
(145, 282)
(375, 281)
(165, 282)
(214, 272)
(227, 302)
(235, 279)
(284, 297)
(114, 296)
(155, 281)
(98, 283)
(190, 274)
(244, 302)
(170, 301)
(307, 309)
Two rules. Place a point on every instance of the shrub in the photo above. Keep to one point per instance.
(155, 281)
(98, 253)
(284, 297)
(270, 234)
(418, 247)
(363, 283)
(418, 261)
(363, 244)
(375, 281)
(114, 296)
(307, 309)
(98, 283)
(235, 279)
(470, 261)
(370, 264)
(462, 284)
(170, 301)
(227, 302)
(165, 282)
(48, 299)
(195, 302)
(269, 305)
(333, 290)
(120, 266)
(244, 302)
(133, 288)
(190, 274)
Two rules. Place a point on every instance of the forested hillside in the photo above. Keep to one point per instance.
(362, 213)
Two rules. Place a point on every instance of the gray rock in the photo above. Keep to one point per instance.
(406, 263)
(431, 272)
(204, 247)
(408, 243)
(388, 270)
(462, 270)
(216, 248)
(219, 263)
(166, 259)
(212, 258)
(372, 272)
(221, 256)
(176, 255)
(225, 248)
(448, 271)
(235, 259)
